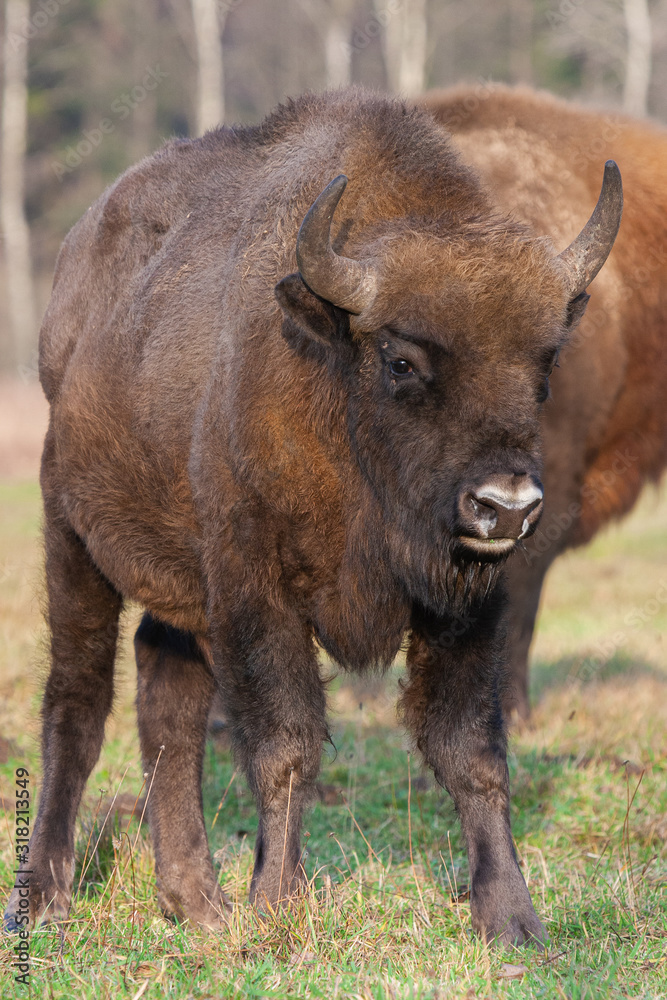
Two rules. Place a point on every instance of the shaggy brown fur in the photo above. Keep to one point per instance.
(605, 428)
(256, 467)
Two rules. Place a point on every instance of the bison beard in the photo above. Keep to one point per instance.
(264, 457)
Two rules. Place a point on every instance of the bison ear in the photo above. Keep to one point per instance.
(306, 317)
(575, 310)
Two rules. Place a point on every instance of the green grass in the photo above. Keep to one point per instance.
(382, 917)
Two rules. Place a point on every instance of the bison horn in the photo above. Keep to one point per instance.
(586, 255)
(342, 281)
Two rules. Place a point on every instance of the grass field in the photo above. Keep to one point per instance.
(386, 914)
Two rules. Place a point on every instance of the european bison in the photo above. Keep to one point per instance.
(289, 410)
(605, 428)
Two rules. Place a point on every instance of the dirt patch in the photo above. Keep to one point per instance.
(24, 415)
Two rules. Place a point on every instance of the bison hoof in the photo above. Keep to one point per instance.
(512, 931)
(269, 893)
(518, 932)
(508, 919)
(41, 911)
(208, 910)
(42, 894)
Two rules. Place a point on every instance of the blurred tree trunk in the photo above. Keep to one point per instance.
(142, 125)
(14, 128)
(332, 19)
(638, 60)
(338, 54)
(209, 20)
(521, 41)
(404, 44)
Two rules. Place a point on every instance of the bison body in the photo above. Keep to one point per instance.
(605, 427)
(285, 413)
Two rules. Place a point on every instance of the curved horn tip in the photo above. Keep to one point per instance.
(587, 253)
(330, 196)
(342, 281)
(611, 195)
(328, 199)
(612, 175)
(320, 212)
(341, 181)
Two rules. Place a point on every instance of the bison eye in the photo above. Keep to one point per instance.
(543, 392)
(400, 367)
(554, 362)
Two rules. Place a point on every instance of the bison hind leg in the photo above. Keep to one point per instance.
(83, 611)
(174, 692)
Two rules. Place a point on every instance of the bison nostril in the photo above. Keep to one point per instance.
(530, 523)
(485, 512)
(501, 509)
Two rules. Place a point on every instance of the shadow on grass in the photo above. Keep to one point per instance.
(584, 670)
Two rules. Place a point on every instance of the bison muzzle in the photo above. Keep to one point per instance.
(295, 374)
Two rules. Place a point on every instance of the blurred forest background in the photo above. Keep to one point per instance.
(90, 86)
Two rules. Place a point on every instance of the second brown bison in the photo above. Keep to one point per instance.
(282, 413)
(605, 427)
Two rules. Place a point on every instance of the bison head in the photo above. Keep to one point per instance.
(446, 330)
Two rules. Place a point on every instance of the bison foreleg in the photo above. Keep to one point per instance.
(275, 702)
(83, 612)
(174, 692)
(451, 704)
